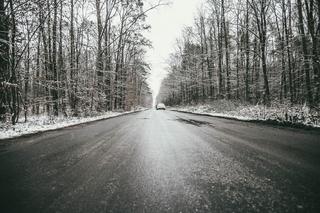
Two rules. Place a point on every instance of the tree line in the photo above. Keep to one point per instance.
(72, 57)
(253, 51)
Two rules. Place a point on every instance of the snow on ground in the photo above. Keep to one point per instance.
(281, 113)
(42, 123)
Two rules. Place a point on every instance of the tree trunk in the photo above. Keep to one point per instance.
(305, 51)
(54, 60)
(13, 79)
(247, 48)
(226, 43)
(72, 82)
(4, 61)
(27, 71)
(315, 45)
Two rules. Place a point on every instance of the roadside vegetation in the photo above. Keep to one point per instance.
(255, 59)
(72, 58)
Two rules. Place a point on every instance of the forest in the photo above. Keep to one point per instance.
(255, 52)
(72, 57)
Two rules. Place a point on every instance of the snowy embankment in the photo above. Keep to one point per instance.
(299, 115)
(36, 124)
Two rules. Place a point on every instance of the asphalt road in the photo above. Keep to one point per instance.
(162, 161)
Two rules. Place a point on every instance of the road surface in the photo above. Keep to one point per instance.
(162, 161)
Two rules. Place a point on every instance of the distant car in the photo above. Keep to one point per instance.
(161, 106)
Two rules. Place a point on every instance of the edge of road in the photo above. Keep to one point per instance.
(273, 123)
(69, 126)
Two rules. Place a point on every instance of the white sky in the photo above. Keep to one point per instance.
(167, 23)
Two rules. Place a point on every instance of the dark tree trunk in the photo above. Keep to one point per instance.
(54, 60)
(4, 61)
(305, 51)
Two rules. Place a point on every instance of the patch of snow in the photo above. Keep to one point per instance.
(298, 114)
(43, 123)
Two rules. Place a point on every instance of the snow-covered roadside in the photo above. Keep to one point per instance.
(43, 123)
(294, 115)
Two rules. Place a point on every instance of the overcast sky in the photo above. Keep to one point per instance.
(167, 23)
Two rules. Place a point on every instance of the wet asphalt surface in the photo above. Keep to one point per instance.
(162, 161)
